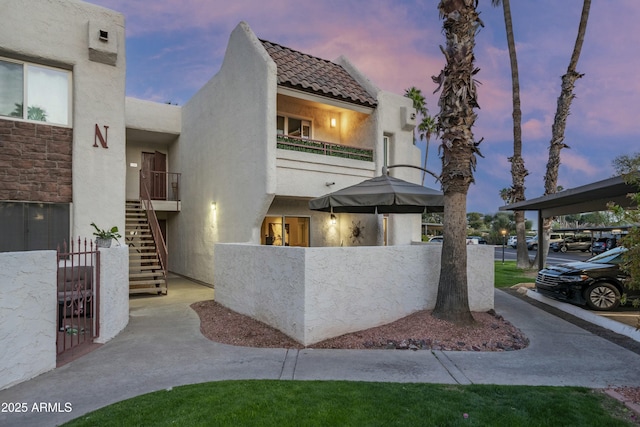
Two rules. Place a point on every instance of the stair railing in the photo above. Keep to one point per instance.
(161, 247)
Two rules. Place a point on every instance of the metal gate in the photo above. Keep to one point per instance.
(78, 302)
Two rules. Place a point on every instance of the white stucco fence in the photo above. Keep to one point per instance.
(312, 294)
(28, 309)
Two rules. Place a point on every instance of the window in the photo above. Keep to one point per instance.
(33, 226)
(293, 127)
(294, 233)
(44, 90)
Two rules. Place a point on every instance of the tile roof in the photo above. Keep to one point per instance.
(308, 73)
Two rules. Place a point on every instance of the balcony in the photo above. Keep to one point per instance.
(164, 189)
(293, 143)
(306, 166)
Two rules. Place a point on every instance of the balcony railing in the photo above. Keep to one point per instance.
(161, 185)
(326, 148)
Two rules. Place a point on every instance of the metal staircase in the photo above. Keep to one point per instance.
(146, 274)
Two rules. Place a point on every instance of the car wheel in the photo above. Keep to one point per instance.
(602, 296)
(534, 247)
(563, 249)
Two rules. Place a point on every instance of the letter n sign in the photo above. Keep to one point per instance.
(98, 137)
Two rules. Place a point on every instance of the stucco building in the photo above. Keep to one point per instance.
(237, 163)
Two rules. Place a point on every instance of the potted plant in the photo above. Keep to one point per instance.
(103, 237)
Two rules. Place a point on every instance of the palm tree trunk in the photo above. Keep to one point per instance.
(457, 102)
(560, 120)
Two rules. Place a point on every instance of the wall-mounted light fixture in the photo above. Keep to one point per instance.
(333, 219)
(334, 122)
(213, 206)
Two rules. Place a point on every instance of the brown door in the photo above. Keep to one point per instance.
(159, 191)
(154, 166)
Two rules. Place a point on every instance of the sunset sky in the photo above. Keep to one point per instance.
(175, 47)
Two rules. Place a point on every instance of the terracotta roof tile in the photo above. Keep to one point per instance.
(308, 73)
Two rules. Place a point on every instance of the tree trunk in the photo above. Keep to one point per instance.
(560, 124)
(452, 303)
(518, 170)
(456, 118)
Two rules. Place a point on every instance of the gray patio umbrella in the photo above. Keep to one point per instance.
(382, 194)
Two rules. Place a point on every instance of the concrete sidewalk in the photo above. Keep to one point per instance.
(162, 347)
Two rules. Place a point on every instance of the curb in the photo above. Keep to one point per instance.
(612, 325)
(627, 402)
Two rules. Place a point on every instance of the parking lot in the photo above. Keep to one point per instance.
(626, 315)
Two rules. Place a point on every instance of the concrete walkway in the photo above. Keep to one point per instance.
(162, 347)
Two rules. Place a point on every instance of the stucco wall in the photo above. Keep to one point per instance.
(66, 35)
(114, 292)
(313, 294)
(28, 309)
(28, 312)
(228, 137)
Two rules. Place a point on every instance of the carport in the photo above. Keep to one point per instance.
(587, 198)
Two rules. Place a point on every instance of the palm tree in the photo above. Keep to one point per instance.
(518, 170)
(505, 195)
(560, 120)
(456, 118)
(420, 105)
(427, 128)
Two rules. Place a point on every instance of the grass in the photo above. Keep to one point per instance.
(342, 403)
(508, 274)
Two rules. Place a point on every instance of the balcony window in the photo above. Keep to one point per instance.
(293, 127)
(45, 91)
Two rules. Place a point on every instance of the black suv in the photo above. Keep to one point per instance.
(596, 282)
(577, 243)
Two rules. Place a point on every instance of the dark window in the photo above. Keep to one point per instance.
(33, 226)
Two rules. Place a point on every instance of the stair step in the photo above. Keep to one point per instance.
(147, 275)
(146, 282)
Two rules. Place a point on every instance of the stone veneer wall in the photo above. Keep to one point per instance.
(35, 162)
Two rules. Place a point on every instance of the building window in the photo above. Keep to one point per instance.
(28, 226)
(293, 127)
(45, 91)
(285, 231)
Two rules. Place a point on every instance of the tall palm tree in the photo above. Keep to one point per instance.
(560, 120)
(518, 170)
(505, 195)
(420, 105)
(428, 127)
(456, 118)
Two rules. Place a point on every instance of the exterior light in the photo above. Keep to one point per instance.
(333, 219)
(333, 122)
(213, 206)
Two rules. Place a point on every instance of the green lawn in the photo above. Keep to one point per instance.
(342, 403)
(508, 274)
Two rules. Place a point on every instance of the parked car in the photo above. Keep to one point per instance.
(597, 282)
(436, 239)
(572, 243)
(481, 240)
(603, 244)
(599, 245)
(532, 244)
(513, 241)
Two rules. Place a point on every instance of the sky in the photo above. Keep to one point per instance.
(174, 47)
